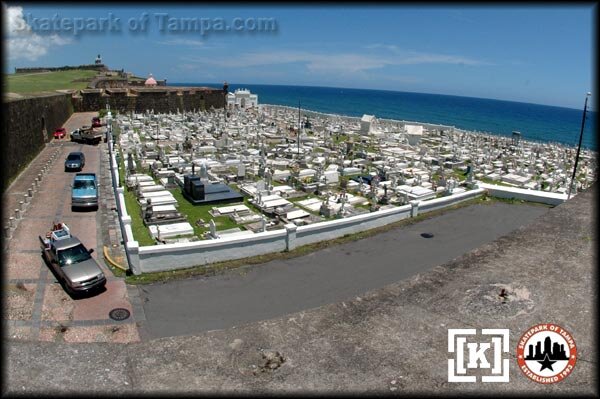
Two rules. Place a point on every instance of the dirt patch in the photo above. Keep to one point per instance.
(498, 300)
(18, 304)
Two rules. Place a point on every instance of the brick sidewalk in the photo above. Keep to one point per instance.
(36, 305)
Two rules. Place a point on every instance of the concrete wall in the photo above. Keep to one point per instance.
(28, 125)
(442, 202)
(524, 194)
(339, 228)
(178, 256)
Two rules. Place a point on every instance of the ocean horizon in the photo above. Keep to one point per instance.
(536, 122)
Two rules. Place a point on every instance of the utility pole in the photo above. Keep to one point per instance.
(157, 154)
(579, 146)
(298, 136)
(225, 93)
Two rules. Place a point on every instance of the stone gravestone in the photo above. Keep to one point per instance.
(268, 178)
(259, 198)
(450, 186)
(263, 224)
(343, 201)
(148, 212)
(213, 229)
(261, 168)
(404, 198)
(203, 172)
(241, 171)
(130, 166)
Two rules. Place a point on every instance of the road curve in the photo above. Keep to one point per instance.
(334, 274)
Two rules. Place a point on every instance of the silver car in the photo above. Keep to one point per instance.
(73, 264)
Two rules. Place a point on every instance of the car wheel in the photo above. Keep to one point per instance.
(63, 282)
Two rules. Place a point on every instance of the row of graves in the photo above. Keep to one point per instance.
(178, 168)
(507, 160)
(513, 161)
(274, 164)
(159, 210)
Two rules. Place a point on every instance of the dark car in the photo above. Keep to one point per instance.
(75, 161)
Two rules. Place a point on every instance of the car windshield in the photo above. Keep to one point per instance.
(73, 157)
(84, 184)
(73, 255)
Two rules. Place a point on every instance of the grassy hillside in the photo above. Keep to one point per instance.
(34, 82)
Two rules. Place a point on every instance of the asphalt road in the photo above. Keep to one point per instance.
(334, 274)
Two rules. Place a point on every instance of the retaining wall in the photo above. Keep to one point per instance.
(28, 125)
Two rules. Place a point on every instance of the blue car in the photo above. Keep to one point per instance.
(84, 191)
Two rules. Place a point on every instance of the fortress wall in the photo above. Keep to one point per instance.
(28, 125)
(162, 101)
(27, 118)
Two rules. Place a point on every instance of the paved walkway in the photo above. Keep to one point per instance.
(393, 340)
(337, 273)
(36, 305)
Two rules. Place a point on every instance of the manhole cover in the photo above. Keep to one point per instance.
(119, 314)
(426, 235)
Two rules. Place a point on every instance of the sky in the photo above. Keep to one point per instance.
(536, 54)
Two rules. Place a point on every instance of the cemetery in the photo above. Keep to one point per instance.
(221, 175)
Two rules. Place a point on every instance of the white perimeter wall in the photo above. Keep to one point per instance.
(177, 256)
(524, 194)
(158, 258)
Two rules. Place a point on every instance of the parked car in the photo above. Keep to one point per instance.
(60, 133)
(75, 161)
(71, 261)
(84, 191)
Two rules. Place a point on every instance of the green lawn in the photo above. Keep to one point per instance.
(141, 233)
(47, 81)
(195, 212)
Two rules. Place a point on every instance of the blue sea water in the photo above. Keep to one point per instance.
(534, 121)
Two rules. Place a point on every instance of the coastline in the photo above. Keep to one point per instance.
(427, 125)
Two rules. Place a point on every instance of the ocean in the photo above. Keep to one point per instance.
(534, 121)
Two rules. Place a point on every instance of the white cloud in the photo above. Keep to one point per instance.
(21, 41)
(409, 57)
(183, 42)
(343, 63)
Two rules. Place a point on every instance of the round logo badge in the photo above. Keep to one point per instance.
(546, 353)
